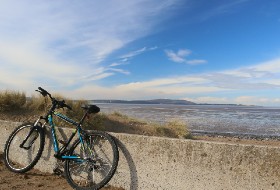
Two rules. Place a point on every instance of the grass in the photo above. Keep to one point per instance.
(17, 102)
(11, 100)
(119, 123)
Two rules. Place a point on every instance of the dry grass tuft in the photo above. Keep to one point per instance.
(119, 123)
(11, 100)
(37, 103)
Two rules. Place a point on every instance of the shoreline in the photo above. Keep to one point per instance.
(237, 138)
(240, 141)
(247, 136)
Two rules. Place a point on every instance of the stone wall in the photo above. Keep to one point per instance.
(164, 163)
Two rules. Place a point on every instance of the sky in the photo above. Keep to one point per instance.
(205, 51)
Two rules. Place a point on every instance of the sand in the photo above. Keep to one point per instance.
(33, 179)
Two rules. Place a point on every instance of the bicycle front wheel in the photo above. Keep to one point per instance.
(97, 161)
(24, 148)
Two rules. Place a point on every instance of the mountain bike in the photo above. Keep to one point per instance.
(89, 162)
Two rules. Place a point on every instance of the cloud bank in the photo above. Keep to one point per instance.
(212, 87)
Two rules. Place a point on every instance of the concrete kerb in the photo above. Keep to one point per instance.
(163, 163)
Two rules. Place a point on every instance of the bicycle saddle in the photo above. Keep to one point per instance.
(91, 108)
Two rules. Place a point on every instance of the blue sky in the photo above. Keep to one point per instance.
(216, 51)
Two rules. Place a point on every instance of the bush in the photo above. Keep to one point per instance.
(12, 100)
(37, 103)
(174, 128)
(117, 122)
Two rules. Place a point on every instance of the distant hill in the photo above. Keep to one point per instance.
(155, 101)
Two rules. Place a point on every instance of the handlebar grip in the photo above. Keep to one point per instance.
(43, 91)
(40, 88)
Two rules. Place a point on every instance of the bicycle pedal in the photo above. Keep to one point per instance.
(57, 171)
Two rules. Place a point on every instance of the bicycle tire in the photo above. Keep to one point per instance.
(93, 165)
(18, 159)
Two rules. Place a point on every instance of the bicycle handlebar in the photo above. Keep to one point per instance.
(44, 92)
(60, 104)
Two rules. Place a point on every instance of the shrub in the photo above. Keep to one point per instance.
(95, 122)
(117, 122)
(174, 128)
(37, 103)
(12, 100)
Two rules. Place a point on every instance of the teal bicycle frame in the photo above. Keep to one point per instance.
(61, 152)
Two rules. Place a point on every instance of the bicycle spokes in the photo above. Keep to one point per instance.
(100, 156)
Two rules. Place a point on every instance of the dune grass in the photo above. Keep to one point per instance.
(13, 101)
(117, 122)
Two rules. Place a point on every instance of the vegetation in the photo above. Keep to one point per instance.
(117, 122)
(12, 101)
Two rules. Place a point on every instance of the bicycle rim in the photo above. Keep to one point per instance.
(19, 159)
(97, 164)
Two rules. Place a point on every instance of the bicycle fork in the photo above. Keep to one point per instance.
(31, 136)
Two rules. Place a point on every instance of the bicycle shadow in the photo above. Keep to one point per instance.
(49, 140)
(132, 168)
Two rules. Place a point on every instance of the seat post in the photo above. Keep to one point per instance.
(83, 118)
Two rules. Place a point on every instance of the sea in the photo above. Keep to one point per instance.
(207, 119)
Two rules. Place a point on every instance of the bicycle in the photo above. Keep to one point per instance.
(90, 161)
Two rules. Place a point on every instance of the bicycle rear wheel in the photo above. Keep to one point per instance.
(24, 148)
(97, 163)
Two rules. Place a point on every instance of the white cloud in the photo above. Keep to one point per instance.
(244, 100)
(272, 66)
(272, 81)
(133, 53)
(183, 52)
(134, 92)
(115, 64)
(257, 100)
(180, 57)
(57, 42)
(191, 80)
(238, 84)
(119, 71)
(99, 76)
(175, 56)
(126, 57)
(165, 87)
(23, 66)
(196, 61)
(209, 99)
